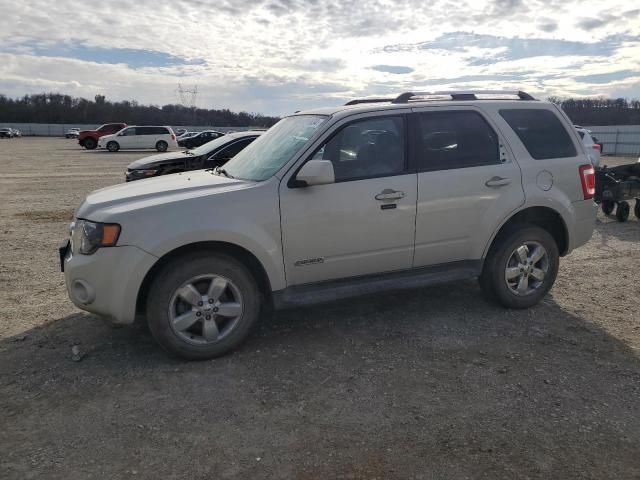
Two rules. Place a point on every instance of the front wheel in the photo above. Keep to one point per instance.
(162, 146)
(607, 206)
(521, 267)
(202, 305)
(113, 146)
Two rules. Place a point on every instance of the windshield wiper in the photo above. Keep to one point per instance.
(188, 152)
(222, 171)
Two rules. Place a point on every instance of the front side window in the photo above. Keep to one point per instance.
(541, 133)
(455, 139)
(129, 132)
(365, 149)
(272, 150)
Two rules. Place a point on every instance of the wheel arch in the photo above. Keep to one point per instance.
(237, 252)
(546, 218)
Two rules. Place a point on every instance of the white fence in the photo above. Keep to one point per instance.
(59, 129)
(618, 139)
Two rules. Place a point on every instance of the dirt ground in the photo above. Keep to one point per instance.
(427, 384)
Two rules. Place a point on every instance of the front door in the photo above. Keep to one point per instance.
(468, 182)
(128, 138)
(364, 223)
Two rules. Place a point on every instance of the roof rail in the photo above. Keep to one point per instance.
(368, 100)
(461, 95)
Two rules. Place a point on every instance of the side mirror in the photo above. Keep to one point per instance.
(316, 172)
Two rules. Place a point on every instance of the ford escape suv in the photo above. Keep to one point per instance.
(373, 195)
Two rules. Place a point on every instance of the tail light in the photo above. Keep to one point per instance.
(173, 136)
(596, 146)
(588, 179)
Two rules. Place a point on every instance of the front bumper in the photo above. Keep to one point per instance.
(106, 283)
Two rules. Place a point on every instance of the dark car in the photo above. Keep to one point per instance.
(212, 154)
(199, 139)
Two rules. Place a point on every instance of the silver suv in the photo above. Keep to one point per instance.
(374, 195)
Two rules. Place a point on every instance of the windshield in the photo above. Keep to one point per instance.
(269, 152)
(211, 146)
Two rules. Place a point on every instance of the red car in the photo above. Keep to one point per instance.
(89, 138)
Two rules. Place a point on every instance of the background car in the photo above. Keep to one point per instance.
(212, 154)
(16, 132)
(72, 133)
(180, 132)
(199, 139)
(184, 135)
(140, 137)
(591, 144)
(89, 138)
(6, 133)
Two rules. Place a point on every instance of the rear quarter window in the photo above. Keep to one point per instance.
(541, 131)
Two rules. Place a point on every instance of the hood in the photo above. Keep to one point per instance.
(104, 138)
(105, 204)
(153, 160)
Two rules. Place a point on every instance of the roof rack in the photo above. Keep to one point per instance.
(368, 100)
(461, 95)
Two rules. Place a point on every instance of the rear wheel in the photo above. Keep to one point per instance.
(90, 143)
(113, 146)
(521, 267)
(162, 146)
(622, 211)
(202, 305)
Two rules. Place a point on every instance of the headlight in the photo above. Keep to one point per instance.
(144, 173)
(87, 237)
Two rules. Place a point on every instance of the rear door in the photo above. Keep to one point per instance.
(468, 182)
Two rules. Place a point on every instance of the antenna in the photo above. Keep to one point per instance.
(187, 96)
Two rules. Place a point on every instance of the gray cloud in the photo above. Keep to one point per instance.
(397, 69)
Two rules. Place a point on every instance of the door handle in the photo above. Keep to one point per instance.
(497, 182)
(389, 194)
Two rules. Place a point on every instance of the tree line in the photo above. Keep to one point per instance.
(59, 108)
(600, 111)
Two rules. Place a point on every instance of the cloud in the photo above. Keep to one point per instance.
(396, 69)
(276, 56)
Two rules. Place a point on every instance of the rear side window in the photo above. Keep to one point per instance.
(455, 139)
(541, 132)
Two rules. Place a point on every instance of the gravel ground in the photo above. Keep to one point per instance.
(427, 384)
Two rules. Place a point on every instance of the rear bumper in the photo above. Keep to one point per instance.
(584, 223)
(107, 283)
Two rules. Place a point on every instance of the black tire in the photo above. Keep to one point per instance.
(493, 277)
(183, 269)
(113, 146)
(636, 209)
(622, 211)
(90, 143)
(607, 206)
(162, 146)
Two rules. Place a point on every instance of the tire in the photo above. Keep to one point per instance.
(113, 146)
(165, 305)
(607, 206)
(503, 257)
(162, 146)
(636, 209)
(90, 143)
(622, 211)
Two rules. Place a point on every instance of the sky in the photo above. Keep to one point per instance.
(278, 56)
